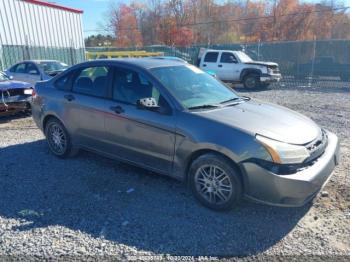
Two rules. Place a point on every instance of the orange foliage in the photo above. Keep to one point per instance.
(186, 22)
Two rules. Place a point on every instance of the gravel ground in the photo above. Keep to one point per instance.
(90, 206)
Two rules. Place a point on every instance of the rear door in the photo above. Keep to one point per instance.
(84, 105)
(138, 135)
(228, 65)
(210, 62)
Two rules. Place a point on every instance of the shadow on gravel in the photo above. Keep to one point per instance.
(9, 118)
(129, 206)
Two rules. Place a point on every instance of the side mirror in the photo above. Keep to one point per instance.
(147, 103)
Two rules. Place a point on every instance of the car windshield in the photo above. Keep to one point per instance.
(50, 66)
(243, 57)
(192, 87)
(3, 77)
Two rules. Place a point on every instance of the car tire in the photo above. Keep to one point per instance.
(215, 182)
(58, 139)
(251, 81)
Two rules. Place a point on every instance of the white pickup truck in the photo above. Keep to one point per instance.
(238, 67)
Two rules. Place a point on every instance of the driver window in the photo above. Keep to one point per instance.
(32, 69)
(130, 86)
(228, 58)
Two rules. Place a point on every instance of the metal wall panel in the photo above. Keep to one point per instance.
(23, 22)
(35, 31)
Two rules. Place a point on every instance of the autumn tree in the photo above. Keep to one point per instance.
(186, 22)
(124, 24)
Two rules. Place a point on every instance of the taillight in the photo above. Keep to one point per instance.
(33, 93)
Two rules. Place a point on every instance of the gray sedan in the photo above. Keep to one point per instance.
(176, 120)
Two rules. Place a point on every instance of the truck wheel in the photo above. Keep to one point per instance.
(251, 81)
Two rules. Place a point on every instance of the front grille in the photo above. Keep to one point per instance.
(15, 92)
(317, 147)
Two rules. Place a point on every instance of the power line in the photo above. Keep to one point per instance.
(238, 19)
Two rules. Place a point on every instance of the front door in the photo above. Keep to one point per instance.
(139, 135)
(32, 74)
(228, 67)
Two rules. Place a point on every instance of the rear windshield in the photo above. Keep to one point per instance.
(52, 66)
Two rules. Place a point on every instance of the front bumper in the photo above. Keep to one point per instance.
(14, 104)
(296, 189)
(267, 78)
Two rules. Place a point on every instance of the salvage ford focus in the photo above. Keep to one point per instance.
(174, 119)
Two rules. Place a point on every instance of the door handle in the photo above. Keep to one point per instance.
(204, 65)
(117, 109)
(69, 97)
(219, 65)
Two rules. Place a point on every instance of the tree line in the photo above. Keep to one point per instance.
(188, 22)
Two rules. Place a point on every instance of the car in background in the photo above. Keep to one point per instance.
(15, 96)
(237, 67)
(174, 58)
(174, 119)
(32, 71)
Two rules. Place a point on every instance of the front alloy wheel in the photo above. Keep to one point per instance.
(215, 181)
(213, 184)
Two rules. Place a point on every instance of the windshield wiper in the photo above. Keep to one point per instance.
(230, 100)
(203, 107)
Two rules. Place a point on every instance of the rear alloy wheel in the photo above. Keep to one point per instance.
(58, 138)
(251, 81)
(214, 182)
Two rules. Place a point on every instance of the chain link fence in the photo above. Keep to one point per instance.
(11, 54)
(300, 62)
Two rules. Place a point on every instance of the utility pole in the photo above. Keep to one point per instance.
(274, 33)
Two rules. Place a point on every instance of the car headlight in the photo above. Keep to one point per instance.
(283, 153)
(269, 71)
(28, 91)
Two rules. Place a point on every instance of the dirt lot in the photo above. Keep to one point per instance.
(92, 206)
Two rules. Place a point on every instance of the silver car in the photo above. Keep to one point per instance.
(176, 120)
(32, 71)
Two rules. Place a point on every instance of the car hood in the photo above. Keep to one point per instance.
(269, 120)
(11, 84)
(271, 64)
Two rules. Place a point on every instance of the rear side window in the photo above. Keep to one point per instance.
(211, 57)
(92, 81)
(63, 82)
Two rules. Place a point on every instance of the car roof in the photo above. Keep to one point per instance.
(36, 61)
(146, 63)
